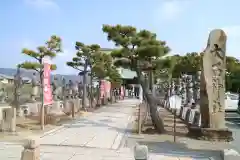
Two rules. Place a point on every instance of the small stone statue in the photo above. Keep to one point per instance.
(75, 89)
(63, 88)
(67, 91)
(80, 89)
(55, 88)
(70, 88)
(35, 85)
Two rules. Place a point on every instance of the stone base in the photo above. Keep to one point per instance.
(210, 134)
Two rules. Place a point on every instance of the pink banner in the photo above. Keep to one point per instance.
(122, 92)
(47, 91)
(107, 88)
(102, 89)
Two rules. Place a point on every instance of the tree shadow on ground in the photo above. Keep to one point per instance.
(171, 121)
(151, 131)
(179, 149)
(100, 123)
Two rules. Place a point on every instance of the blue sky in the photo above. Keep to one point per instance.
(184, 24)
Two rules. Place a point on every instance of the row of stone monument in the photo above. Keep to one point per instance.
(203, 94)
(67, 100)
(60, 89)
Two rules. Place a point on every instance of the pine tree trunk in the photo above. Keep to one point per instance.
(91, 90)
(42, 112)
(84, 86)
(99, 93)
(111, 93)
(156, 119)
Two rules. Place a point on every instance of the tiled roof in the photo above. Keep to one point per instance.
(6, 76)
(127, 74)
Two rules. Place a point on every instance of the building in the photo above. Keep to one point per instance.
(5, 79)
(128, 76)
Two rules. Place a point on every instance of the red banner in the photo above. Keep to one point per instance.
(102, 89)
(107, 88)
(122, 92)
(47, 91)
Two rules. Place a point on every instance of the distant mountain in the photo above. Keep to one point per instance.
(29, 73)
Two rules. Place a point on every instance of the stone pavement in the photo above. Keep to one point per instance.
(102, 129)
(97, 136)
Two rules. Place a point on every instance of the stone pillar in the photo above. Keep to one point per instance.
(133, 90)
(189, 89)
(177, 87)
(140, 94)
(13, 119)
(31, 149)
(184, 90)
(198, 83)
(141, 152)
(212, 90)
(196, 87)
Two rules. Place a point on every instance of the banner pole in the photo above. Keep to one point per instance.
(42, 101)
(46, 93)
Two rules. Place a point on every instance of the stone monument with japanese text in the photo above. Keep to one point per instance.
(212, 90)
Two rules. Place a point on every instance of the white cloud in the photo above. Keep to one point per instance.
(170, 9)
(42, 4)
(28, 44)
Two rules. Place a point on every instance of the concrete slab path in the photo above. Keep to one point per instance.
(104, 128)
(97, 136)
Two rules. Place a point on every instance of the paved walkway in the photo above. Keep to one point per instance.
(98, 136)
(102, 129)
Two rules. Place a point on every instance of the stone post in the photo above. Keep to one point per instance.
(140, 152)
(31, 149)
(172, 88)
(196, 87)
(133, 90)
(140, 94)
(13, 120)
(184, 90)
(181, 89)
(177, 86)
(189, 89)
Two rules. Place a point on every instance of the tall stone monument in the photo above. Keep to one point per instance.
(212, 90)
(35, 85)
(17, 86)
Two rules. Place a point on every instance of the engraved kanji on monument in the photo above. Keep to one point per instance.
(212, 89)
(213, 76)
